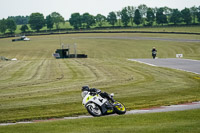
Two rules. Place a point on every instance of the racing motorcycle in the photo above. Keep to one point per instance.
(98, 106)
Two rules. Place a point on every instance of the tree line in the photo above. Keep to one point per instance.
(141, 15)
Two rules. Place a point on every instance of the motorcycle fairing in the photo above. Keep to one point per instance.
(95, 99)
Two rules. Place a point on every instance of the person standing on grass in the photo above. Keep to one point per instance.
(154, 52)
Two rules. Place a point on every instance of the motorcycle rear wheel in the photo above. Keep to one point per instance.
(94, 109)
(121, 109)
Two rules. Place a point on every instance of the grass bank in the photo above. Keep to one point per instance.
(170, 122)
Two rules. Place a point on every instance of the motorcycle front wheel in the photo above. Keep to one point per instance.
(94, 109)
(120, 108)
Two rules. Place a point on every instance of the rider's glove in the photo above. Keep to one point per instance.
(98, 91)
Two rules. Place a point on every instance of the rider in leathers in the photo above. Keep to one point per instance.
(97, 91)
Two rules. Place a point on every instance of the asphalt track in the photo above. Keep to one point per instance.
(174, 63)
(142, 38)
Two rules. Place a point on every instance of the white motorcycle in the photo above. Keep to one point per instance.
(98, 106)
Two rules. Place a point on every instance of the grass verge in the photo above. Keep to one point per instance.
(168, 122)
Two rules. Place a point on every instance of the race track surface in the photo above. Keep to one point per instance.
(175, 63)
(142, 38)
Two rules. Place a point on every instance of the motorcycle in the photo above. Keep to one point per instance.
(98, 106)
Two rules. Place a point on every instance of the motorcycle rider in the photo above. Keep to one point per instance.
(154, 52)
(94, 91)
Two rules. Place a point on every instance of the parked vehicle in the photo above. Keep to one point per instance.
(22, 38)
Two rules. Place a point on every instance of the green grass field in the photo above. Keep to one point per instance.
(38, 86)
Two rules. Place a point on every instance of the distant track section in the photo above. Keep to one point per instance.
(143, 38)
(175, 63)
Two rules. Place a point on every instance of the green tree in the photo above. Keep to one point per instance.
(167, 11)
(57, 19)
(161, 18)
(186, 15)
(175, 16)
(49, 22)
(137, 17)
(11, 25)
(88, 20)
(112, 18)
(150, 16)
(100, 19)
(36, 21)
(198, 14)
(131, 13)
(124, 16)
(20, 20)
(75, 20)
(194, 12)
(119, 17)
(143, 11)
(24, 28)
(3, 26)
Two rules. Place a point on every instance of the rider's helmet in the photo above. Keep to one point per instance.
(85, 88)
(85, 91)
